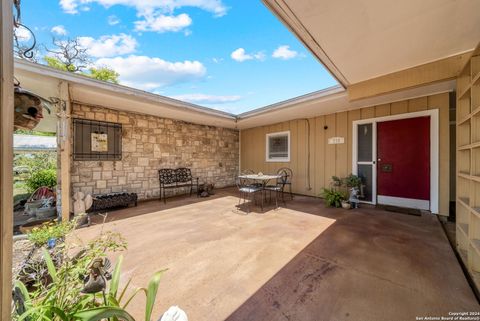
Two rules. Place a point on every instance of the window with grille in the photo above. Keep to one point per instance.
(96, 140)
(278, 147)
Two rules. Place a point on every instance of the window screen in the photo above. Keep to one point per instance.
(366, 174)
(278, 146)
(365, 143)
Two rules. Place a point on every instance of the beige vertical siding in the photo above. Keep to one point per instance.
(328, 160)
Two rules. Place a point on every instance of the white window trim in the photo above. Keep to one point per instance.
(277, 160)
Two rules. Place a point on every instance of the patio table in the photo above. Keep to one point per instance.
(263, 179)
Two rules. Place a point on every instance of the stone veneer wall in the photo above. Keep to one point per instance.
(150, 143)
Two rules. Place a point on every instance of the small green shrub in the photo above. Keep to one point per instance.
(337, 181)
(40, 235)
(36, 161)
(352, 181)
(44, 177)
(332, 197)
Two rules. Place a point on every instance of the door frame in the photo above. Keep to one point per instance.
(434, 151)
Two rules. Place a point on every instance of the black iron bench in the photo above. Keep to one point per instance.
(175, 178)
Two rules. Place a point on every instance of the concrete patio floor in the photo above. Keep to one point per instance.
(304, 262)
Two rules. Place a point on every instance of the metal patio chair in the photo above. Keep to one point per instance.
(278, 188)
(246, 190)
(287, 175)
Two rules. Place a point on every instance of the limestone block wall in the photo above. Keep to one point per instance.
(150, 143)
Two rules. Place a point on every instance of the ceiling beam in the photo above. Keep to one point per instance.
(440, 70)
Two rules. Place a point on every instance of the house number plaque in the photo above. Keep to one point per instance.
(336, 140)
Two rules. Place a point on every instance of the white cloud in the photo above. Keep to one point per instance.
(163, 23)
(150, 73)
(59, 30)
(207, 99)
(108, 46)
(22, 34)
(143, 7)
(70, 6)
(240, 55)
(284, 52)
(113, 20)
(259, 56)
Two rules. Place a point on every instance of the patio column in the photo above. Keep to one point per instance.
(6, 156)
(64, 150)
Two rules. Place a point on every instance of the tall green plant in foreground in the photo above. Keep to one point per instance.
(56, 295)
(116, 301)
(59, 297)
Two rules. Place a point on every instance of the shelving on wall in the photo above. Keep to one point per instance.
(468, 167)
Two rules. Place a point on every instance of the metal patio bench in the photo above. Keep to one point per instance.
(175, 178)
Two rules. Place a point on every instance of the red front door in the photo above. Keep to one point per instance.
(403, 167)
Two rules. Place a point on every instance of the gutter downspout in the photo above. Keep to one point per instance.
(308, 185)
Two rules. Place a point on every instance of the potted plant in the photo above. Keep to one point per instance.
(333, 198)
(352, 181)
(337, 181)
(346, 205)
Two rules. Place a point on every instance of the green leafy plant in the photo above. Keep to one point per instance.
(36, 161)
(40, 235)
(337, 181)
(104, 73)
(333, 198)
(45, 177)
(59, 297)
(352, 181)
(116, 299)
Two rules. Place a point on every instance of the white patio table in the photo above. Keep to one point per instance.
(263, 179)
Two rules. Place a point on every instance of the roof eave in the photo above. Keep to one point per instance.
(319, 95)
(90, 82)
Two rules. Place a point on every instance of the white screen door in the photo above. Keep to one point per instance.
(364, 159)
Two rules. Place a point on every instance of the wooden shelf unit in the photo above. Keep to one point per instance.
(468, 167)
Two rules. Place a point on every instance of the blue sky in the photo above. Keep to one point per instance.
(228, 55)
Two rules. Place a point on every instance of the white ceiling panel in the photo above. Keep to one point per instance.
(365, 39)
